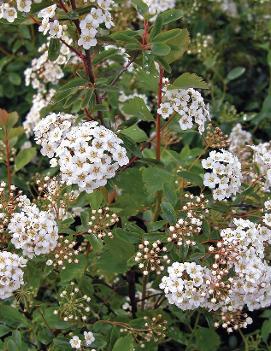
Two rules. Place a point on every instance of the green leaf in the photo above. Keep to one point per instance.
(189, 80)
(104, 55)
(74, 271)
(155, 178)
(135, 133)
(4, 330)
(192, 177)
(24, 157)
(171, 15)
(235, 73)
(179, 45)
(141, 7)
(131, 185)
(117, 262)
(160, 49)
(124, 343)
(14, 78)
(136, 107)
(127, 36)
(156, 29)
(11, 345)
(15, 132)
(13, 118)
(168, 212)
(54, 49)
(73, 83)
(266, 330)
(207, 339)
(96, 243)
(167, 35)
(12, 317)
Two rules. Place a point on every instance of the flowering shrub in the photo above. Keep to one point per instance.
(135, 175)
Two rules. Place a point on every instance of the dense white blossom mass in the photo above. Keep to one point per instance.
(11, 273)
(225, 176)
(33, 231)
(87, 154)
(239, 278)
(189, 106)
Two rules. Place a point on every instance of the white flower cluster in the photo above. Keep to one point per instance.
(76, 342)
(262, 158)
(185, 286)
(158, 6)
(48, 23)
(50, 131)
(33, 231)
(267, 214)
(87, 154)
(90, 24)
(251, 284)
(10, 13)
(39, 101)
(41, 75)
(11, 273)
(239, 278)
(44, 71)
(188, 104)
(225, 176)
(239, 138)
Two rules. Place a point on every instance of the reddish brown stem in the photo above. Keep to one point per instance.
(145, 36)
(9, 174)
(91, 75)
(158, 117)
(76, 22)
(62, 5)
(77, 52)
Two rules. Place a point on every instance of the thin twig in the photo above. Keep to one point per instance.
(144, 291)
(132, 291)
(158, 117)
(8, 166)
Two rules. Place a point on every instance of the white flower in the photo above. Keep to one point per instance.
(89, 338)
(48, 12)
(24, 5)
(225, 177)
(186, 122)
(87, 23)
(75, 343)
(188, 104)
(165, 110)
(87, 154)
(185, 285)
(97, 16)
(87, 39)
(262, 158)
(210, 180)
(9, 13)
(55, 29)
(33, 231)
(11, 273)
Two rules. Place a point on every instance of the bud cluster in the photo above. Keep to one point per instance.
(55, 196)
(152, 257)
(101, 222)
(185, 229)
(73, 304)
(64, 253)
(216, 139)
(154, 330)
